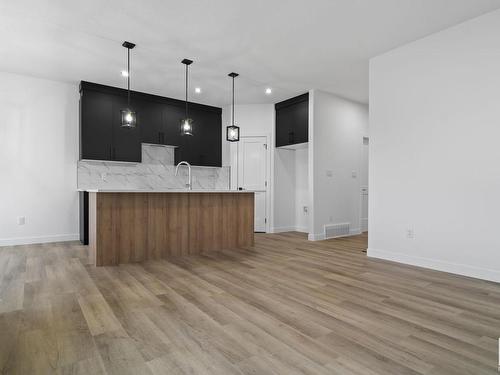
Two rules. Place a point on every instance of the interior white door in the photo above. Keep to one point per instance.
(252, 175)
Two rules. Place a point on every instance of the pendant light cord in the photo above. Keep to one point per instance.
(232, 120)
(187, 66)
(128, 77)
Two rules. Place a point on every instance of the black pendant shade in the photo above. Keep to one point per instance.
(128, 116)
(233, 131)
(186, 122)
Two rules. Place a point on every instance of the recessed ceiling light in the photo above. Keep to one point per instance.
(124, 73)
(197, 90)
(269, 91)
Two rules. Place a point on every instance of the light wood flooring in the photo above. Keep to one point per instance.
(286, 306)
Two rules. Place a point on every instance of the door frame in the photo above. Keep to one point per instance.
(235, 175)
(361, 187)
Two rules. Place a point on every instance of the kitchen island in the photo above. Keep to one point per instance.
(127, 226)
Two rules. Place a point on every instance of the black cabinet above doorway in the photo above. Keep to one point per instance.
(292, 121)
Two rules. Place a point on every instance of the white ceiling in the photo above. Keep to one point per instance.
(291, 46)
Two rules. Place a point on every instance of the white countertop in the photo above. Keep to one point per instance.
(163, 191)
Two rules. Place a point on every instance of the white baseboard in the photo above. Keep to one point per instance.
(302, 229)
(289, 229)
(282, 229)
(316, 236)
(40, 239)
(321, 236)
(439, 265)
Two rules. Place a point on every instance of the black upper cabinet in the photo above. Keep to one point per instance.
(204, 147)
(158, 121)
(102, 137)
(150, 122)
(126, 144)
(292, 121)
(171, 123)
(96, 116)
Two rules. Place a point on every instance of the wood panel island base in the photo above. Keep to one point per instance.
(127, 227)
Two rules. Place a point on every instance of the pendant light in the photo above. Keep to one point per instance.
(128, 116)
(186, 122)
(233, 131)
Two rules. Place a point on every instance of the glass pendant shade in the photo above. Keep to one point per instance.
(186, 122)
(129, 118)
(233, 133)
(186, 126)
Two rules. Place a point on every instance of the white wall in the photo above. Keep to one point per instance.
(38, 157)
(336, 130)
(253, 120)
(301, 189)
(259, 119)
(284, 188)
(434, 151)
(291, 182)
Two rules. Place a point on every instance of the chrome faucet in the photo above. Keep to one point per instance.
(189, 184)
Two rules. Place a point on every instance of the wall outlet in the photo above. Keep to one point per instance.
(305, 209)
(354, 174)
(104, 176)
(329, 173)
(21, 220)
(410, 233)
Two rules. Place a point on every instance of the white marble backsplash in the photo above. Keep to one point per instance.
(157, 171)
(158, 154)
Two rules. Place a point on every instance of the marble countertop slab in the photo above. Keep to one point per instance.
(163, 191)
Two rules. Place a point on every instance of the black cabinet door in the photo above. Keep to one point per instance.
(172, 116)
(300, 122)
(126, 145)
(207, 140)
(96, 111)
(292, 121)
(150, 122)
(204, 147)
(284, 127)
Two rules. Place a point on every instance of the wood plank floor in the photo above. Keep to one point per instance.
(286, 306)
